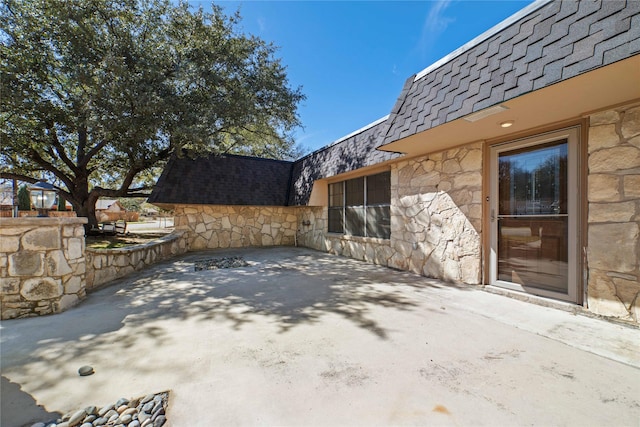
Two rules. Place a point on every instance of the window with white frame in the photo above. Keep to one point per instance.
(361, 206)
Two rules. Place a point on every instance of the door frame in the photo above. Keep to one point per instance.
(574, 136)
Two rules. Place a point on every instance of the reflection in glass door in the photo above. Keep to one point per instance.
(532, 214)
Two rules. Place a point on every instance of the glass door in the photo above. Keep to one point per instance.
(534, 215)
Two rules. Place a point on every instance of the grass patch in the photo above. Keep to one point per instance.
(120, 241)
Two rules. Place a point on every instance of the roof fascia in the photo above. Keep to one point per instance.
(344, 138)
(484, 36)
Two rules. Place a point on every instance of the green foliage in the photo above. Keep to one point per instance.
(24, 201)
(132, 204)
(97, 94)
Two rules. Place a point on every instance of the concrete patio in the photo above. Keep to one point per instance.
(304, 338)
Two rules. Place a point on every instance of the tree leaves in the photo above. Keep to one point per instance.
(97, 94)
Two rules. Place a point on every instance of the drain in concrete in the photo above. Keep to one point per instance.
(216, 263)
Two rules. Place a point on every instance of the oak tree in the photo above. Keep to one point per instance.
(97, 94)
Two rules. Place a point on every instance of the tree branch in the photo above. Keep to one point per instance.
(19, 177)
(25, 178)
(55, 142)
(117, 193)
(96, 148)
(82, 144)
(49, 167)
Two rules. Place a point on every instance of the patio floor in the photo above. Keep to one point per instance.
(300, 337)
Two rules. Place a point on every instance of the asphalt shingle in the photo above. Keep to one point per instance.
(223, 180)
(241, 180)
(354, 152)
(558, 41)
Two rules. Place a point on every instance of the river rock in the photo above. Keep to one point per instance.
(122, 401)
(105, 409)
(77, 417)
(159, 422)
(147, 398)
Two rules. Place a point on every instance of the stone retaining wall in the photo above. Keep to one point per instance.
(614, 213)
(106, 265)
(213, 227)
(42, 265)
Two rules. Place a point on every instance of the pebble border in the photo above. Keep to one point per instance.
(147, 411)
(216, 263)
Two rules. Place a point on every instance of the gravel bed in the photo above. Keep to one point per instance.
(215, 263)
(147, 411)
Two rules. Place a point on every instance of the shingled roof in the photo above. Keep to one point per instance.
(545, 43)
(223, 180)
(355, 151)
(242, 180)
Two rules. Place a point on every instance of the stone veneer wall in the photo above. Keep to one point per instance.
(436, 219)
(106, 265)
(42, 265)
(312, 226)
(614, 213)
(211, 227)
(436, 214)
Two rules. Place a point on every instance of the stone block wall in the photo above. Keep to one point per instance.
(42, 265)
(436, 215)
(436, 219)
(613, 195)
(212, 227)
(312, 227)
(312, 233)
(106, 265)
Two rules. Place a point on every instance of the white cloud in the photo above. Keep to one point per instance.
(434, 25)
(262, 24)
(436, 22)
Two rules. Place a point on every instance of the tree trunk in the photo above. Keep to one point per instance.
(87, 209)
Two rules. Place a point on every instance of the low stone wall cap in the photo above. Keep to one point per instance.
(49, 221)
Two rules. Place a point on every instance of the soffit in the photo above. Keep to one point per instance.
(602, 88)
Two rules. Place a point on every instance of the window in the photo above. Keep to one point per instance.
(361, 206)
(336, 208)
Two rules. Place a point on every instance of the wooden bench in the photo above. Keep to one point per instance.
(112, 228)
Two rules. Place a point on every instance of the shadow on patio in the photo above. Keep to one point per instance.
(281, 287)
(289, 286)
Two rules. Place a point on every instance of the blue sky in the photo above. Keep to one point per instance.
(352, 58)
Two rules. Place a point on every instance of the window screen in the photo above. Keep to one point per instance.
(336, 210)
(361, 206)
(354, 192)
(379, 189)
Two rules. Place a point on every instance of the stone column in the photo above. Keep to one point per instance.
(42, 265)
(614, 213)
